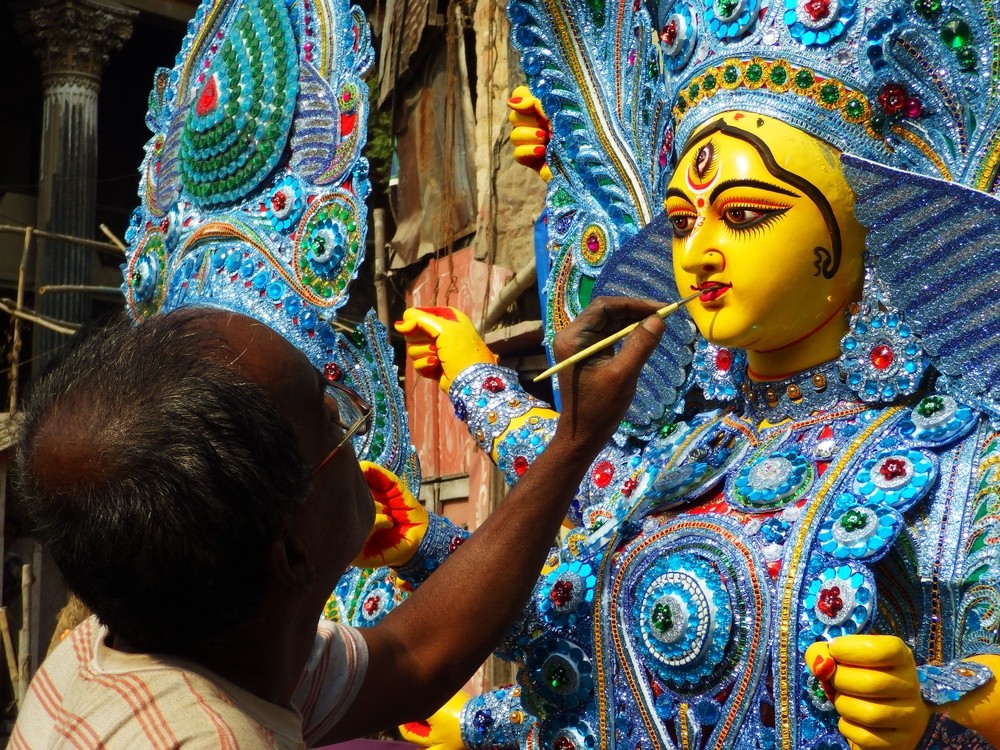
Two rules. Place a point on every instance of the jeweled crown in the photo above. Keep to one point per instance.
(253, 187)
(907, 84)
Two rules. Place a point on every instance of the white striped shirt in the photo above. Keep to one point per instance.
(87, 695)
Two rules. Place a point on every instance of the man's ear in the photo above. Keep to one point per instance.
(290, 561)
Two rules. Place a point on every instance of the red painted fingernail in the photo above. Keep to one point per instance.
(540, 134)
(515, 100)
(824, 667)
(539, 150)
(399, 322)
(432, 361)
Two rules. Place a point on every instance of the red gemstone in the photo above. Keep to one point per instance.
(723, 360)
(593, 244)
(892, 98)
(628, 487)
(371, 604)
(563, 743)
(209, 98)
(913, 107)
(669, 34)
(493, 384)
(561, 593)
(604, 472)
(893, 468)
(456, 542)
(520, 465)
(331, 371)
(882, 357)
(830, 602)
(278, 201)
(164, 224)
(817, 9)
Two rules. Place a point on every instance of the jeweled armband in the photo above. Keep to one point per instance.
(520, 447)
(487, 397)
(494, 719)
(945, 683)
(440, 540)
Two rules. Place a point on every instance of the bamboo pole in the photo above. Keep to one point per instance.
(15, 347)
(102, 246)
(381, 279)
(8, 652)
(24, 640)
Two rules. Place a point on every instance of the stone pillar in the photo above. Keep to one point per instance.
(73, 40)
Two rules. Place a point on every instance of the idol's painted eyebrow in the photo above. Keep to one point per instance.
(759, 184)
(678, 193)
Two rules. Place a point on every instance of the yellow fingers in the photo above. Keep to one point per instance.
(871, 651)
(878, 683)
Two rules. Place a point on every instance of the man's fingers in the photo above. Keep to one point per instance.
(871, 651)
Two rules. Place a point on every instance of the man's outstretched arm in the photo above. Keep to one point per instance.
(427, 648)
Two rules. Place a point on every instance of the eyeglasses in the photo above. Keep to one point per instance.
(354, 417)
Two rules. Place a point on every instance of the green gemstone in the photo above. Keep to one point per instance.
(955, 34)
(681, 105)
(967, 58)
(829, 93)
(854, 519)
(693, 90)
(668, 429)
(804, 79)
(662, 618)
(817, 689)
(341, 284)
(726, 8)
(358, 337)
(779, 76)
(854, 108)
(557, 676)
(928, 9)
(754, 72)
(930, 405)
(709, 83)
(731, 74)
(561, 198)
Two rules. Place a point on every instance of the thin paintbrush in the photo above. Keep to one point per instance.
(663, 312)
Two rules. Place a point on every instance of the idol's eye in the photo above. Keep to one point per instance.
(682, 223)
(747, 217)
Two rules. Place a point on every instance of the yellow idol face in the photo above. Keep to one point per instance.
(762, 210)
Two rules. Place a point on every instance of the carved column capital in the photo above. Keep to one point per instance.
(73, 37)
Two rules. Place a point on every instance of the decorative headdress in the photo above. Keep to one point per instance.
(253, 187)
(908, 85)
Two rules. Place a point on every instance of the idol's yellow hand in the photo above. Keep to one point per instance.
(531, 131)
(442, 731)
(442, 342)
(873, 683)
(400, 521)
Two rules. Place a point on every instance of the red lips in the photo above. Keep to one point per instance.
(711, 290)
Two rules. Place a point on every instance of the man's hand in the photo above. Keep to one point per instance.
(531, 131)
(873, 683)
(443, 730)
(400, 521)
(442, 342)
(597, 392)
